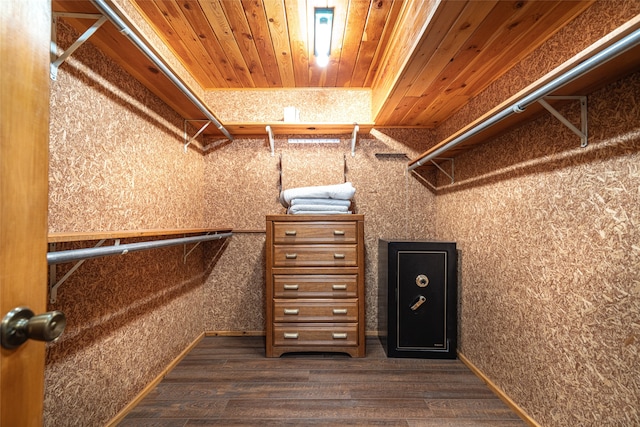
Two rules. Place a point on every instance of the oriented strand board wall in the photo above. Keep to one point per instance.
(550, 289)
(314, 104)
(116, 162)
(550, 241)
(242, 186)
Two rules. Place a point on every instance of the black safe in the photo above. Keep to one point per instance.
(417, 298)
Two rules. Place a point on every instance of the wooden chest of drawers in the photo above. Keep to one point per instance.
(315, 284)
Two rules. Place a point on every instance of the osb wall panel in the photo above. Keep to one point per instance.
(116, 162)
(234, 293)
(128, 317)
(596, 22)
(242, 187)
(550, 289)
(315, 105)
(116, 158)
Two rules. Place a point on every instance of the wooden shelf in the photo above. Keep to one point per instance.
(613, 70)
(300, 128)
(124, 234)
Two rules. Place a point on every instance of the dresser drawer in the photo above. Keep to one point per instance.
(315, 232)
(296, 334)
(315, 286)
(315, 255)
(315, 310)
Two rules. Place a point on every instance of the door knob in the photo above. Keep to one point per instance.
(20, 324)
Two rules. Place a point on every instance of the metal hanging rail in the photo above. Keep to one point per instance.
(117, 249)
(106, 10)
(587, 65)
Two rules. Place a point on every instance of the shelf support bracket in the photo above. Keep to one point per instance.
(53, 285)
(187, 253)
(421, 178)
(582, 132)
(271, 142)
(451, 175)
(57, 61)
(354, 135)
(186, 122)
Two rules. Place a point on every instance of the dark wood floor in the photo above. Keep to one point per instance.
(227, 381)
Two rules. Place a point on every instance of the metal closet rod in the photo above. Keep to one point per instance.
(106, 10)
(78, 254)
(587, 65)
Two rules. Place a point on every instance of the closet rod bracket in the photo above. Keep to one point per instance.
(190, 140)
(53, 284)
(583, 131)
(57, 61)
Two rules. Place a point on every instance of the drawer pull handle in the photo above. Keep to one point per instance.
(338, 256)
(337, 287)
(338, 232)
(291, 311)
(339, 311)
(291, 256)
(339, 335)
(291, 335)
(291, 287)
(290, 232)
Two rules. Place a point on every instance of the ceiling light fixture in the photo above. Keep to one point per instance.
(323, 24)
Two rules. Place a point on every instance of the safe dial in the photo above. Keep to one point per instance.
(422, 281)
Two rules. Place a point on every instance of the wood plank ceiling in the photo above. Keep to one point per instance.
(269, 44)
(422, 59)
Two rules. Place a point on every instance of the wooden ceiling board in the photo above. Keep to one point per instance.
(170, 25)
(448, 78)
(411, 25)
(371, 39)
(257, 19)
(525, 38)
(200, 14)
(388, 25)
(356, 20)
(395, 105)
(298, 36)
(241, 32)
(277, 21)
(530, 26)
(514, 30)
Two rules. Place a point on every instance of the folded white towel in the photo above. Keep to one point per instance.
(338, 191)
(297, 208)
(319, 213)
(323, 201)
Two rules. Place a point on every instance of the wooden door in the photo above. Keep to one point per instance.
(25, 34)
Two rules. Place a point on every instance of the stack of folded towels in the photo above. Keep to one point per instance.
(318, 200)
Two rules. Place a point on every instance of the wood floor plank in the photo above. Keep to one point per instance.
(228, 381)
(308, 422)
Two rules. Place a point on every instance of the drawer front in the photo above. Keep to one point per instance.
(315, 232)
(292, 334)
(315, 311)
(315, 255)
(315, 286)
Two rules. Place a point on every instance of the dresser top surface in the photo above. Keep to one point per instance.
(307, 218)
